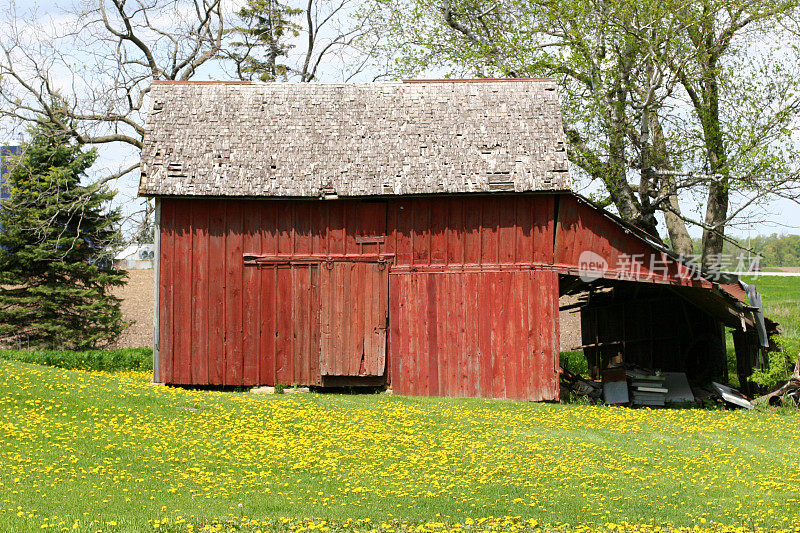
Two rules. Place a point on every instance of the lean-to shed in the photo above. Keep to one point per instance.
(414, 234)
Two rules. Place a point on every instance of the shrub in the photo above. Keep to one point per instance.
(106, 360)
(575, 362)
(779, 365)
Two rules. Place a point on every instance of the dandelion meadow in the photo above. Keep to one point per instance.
(93, 451)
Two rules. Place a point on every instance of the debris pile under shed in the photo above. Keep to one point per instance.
(638, 386)
(648, 389)
(631, 385)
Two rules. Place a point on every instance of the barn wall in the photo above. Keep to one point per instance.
(224, 323)
(469, 232)
(471, 282)
(583, 229)
(227, 323)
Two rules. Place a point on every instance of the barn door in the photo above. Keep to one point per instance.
(353, 317)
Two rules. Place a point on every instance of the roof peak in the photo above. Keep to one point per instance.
(415, 80)
(477, 80)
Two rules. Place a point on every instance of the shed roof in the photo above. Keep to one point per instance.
(353, 139)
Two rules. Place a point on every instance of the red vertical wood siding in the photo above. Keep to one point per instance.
(251, 298)
(470, 287)
(216, 294)
(226, 323)
(234, 310)
(182, 292)
(200, 289)
(353, 316)
(471, 232)
(582, 228)
(472, 312)
(495, 336)
(166, 318)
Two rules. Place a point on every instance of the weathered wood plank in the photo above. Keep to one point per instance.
(251, 295)
(200, 284)
(269, 327)
(217, 301)
(167, 281)
(233, 295)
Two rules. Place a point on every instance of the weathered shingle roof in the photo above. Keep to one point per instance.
(301, 140)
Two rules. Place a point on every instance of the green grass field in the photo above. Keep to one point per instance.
(86, 451)
(98, 451)
(781, 297)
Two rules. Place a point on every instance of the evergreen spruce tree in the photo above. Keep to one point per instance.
(56, 241)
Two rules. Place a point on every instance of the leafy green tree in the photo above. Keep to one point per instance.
(777, 250)
(603, 55)
(738, 72)
(56, 273)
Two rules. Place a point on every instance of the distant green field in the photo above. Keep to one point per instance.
(781, 299)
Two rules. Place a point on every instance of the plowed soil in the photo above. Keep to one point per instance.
(137, 307)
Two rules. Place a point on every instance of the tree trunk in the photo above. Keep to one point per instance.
(615, 175)
(718, 190)
(679, 237)
(676, 227)
(716, 215)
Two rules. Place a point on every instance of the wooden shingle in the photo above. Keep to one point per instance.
(311, 140)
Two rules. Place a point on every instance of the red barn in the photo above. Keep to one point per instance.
(416, 235)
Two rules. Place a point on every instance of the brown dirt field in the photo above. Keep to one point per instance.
(137, 307)
(570, 325)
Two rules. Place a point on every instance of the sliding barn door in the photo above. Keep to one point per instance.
(353, 303)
